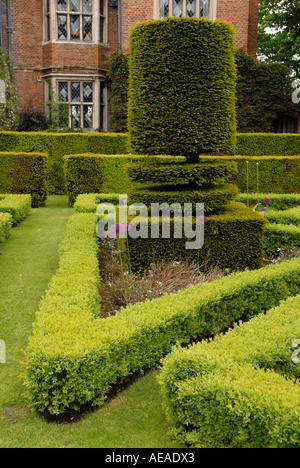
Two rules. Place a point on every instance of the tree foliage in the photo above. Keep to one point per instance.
(8, 111)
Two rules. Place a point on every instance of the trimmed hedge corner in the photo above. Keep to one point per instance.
(74, 357)
(5, 226)
(240, 382)
(18, 206)
(24, 173)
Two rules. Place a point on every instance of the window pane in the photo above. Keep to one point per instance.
(102, 23)
(75, 116)
(48, 28)
(163, 8)
(87, 28)
(190, 8)
(87, 6)
(62, 26)
(47, 6)
(63, 91)
(88, 116)
(177, 8)
(87, 92)
(75, 5)
(75, 92)
(102, 7)
(62, 5)
(204, 8)
(75, 26)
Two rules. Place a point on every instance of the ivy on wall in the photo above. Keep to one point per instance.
(8, 108)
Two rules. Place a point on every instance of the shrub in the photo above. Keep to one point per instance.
(260, 144)
(31, 120)
(182, 80)
(24, 173)
(99, 173)
(8, 110)
(279, 201)
(291, 216)
(74, 358)
(5, 226)
(281, 236)
(237, 382)
(18, 206)
(118, 84)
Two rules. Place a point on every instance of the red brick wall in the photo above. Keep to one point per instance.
(32, 59)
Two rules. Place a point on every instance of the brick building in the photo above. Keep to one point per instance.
(69, 41)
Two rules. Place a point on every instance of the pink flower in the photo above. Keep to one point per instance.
(201, 219)
(116, 230)
(266, 201)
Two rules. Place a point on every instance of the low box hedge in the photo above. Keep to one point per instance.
(280, 237)
(279, 201)
(24, 173)
(291, 216)
(234, 391)
(5, 226)
(74, 357)
(18, 206)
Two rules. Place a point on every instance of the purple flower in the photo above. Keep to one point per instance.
(201, 220)
(116, 230)
(266, 201)
(263, 208)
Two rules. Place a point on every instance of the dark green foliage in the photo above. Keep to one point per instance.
(118, 82)
(24, 173)
(277, 174)
(233, 239)
(9, 110)
(182, 87)
(261, 144)
(181, 173)
(264, 92)
(31, 120)
(214, 198)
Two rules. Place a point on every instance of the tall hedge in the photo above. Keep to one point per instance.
(182, 82)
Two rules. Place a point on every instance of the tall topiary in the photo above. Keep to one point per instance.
(182, 87)
(9, 119)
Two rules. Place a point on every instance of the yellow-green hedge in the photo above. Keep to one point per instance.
(5, 226)
(18, 206)
(74, 357)
(234, 391)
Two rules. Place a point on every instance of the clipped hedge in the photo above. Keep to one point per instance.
(56, 145)
(94, 173)
(261, 144)
(18, 206)
(74, 358)
(24, 173)
(279, 201)
(5, 226)
(182, 78)
(291, 216)
(281, 237)
(277, 174)
(230, 392)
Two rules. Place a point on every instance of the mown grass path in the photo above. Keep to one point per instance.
(29, 258)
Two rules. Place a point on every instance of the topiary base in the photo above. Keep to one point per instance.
(233, 239)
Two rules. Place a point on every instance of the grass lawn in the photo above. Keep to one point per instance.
(134, 419)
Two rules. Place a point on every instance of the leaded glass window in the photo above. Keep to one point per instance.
(189, 8)
(79, 96)
(76, 21)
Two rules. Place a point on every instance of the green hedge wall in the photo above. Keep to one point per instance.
(24, 173)
(233, 239)
(279, 201)
(264, 144)
(5, 226)
(99, 173)
(291, 216)
(231, 381)
(182, 78)
(280, 237)
(18, 206)
(277, 174)
(74, 358)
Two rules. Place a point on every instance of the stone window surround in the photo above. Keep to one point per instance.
(54, 27)
(96, 80)
(212, 13)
